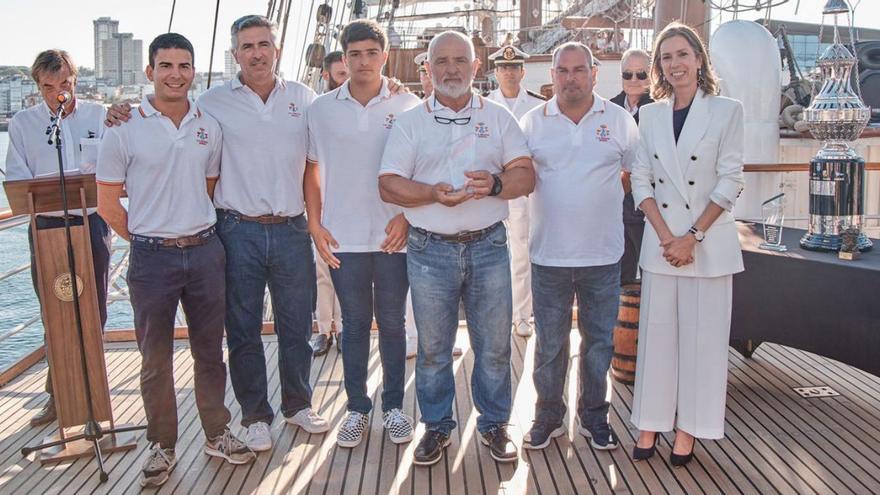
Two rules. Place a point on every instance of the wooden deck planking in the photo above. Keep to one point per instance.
(776, 442)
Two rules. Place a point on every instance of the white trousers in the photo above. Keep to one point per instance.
(520, 267)
(681, 368)
(327, 309)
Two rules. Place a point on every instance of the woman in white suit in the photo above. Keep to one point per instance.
(686, 181)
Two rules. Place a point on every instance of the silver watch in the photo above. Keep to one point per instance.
(699, 235)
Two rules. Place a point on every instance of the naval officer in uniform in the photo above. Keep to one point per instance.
(509, 71)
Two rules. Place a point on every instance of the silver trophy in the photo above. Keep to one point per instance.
(774, 216)
(836, 116)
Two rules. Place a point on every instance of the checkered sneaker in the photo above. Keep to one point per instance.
(399, 425)
(352, 430)
(229, 447)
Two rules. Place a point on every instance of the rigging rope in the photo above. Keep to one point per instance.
(213, 40)
(283, 36)
(170, 20)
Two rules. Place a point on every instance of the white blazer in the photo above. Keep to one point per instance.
(705, 165)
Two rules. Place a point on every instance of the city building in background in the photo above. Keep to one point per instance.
(104, 29)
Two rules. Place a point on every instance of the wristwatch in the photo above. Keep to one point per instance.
(496, 186)
(699, 235)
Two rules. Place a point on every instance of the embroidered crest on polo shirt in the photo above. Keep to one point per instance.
(482, 130)
(202, 136)
(293, 110)
(603, 134)
(389, 121)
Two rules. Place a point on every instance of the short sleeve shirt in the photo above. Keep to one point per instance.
(432, 150)
(347, 140)
(30, 155)
(164, 169)
(575, 211)
(264, 147)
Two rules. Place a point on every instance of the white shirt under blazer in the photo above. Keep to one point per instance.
(705, 165)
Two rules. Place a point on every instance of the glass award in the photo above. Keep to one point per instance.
(774, 216)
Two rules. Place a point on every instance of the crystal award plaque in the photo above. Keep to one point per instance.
(774, 217)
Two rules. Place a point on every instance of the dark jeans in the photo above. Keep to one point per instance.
(158, 279)
(366, 283)
(99, 235)
(441, 275)
(553, 289)
(633, 230)
(279, 255)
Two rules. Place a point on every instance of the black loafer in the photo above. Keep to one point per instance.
(501, 447)
(640, 454)
(430, 448)
(320, 344)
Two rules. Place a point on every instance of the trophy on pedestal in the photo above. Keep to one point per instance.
(774, 217)
(837, 173)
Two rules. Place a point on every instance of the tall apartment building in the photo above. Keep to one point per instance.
(230, 67)
(105, 28)
(123, 59)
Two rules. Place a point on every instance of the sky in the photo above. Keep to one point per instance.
(31, 26)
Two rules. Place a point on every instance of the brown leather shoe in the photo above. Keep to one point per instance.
(46, 415)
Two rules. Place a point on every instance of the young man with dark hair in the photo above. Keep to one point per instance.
(30, 155)
(358, 235)
(168, 159)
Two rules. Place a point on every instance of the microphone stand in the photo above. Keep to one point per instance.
(92, 430)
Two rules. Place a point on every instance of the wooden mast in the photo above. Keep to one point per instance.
(694, 13)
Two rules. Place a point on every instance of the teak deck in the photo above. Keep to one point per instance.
(776, 441)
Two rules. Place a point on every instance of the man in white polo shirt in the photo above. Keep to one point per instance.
(453, 163)
(261, 223)
(509, 71)
(358, 235)
(580, 143)
(168, 159)
(30, 155)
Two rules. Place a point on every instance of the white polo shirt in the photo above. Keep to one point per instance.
(264, 147)
(164, 170)
(518, 106)
(30, 155)
(576, 209)
(424, 150)
(346, 139)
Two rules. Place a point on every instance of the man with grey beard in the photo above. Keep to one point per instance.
(453, 163)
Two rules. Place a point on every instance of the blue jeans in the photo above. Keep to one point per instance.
(279, 255)
(598, 292)
(441, 274)
(159, 278)
(365, 281)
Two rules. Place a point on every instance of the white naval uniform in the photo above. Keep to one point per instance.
(518, 221)
(684, 327)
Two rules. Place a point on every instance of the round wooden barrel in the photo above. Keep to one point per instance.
(626, 335)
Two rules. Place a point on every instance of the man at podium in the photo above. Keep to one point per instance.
(30, 155)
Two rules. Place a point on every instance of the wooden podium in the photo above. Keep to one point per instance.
(65, 354)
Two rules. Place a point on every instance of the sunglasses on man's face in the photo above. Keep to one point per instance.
(627, 75)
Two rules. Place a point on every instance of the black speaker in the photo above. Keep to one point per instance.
(868, 53)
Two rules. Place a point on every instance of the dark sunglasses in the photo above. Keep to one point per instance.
(627, 75)
(236, 25)
(447, 121)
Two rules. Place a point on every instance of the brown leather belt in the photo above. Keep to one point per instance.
(197, 239)
(461, 237)
(264, 219)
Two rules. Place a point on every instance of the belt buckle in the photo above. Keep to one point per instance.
(178, 243)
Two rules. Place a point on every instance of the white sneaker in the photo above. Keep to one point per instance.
(399, 426)
(412, 348)
(523, 328)
(309, 421)
(352, 430)
(258, 437)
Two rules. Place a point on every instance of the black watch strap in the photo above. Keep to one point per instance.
(496, 186)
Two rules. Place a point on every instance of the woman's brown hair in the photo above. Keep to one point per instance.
(706, 80)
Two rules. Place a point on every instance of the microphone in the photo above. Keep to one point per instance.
(63, 97)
